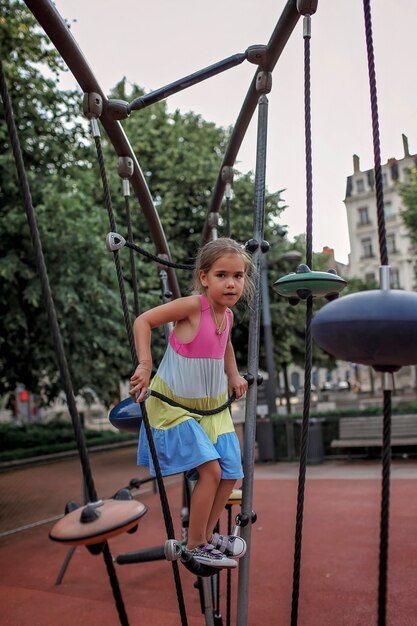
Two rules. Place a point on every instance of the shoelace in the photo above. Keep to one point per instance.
(207, 550)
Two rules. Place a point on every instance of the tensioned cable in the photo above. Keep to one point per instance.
(218, 409)
(157, 259)
(116, 257)
(133, 274)
(169, 526)
(308, 340)
(379, 189)
(55, 331)
(386, 440)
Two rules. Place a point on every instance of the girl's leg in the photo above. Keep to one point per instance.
(222, 495)
(202, 502)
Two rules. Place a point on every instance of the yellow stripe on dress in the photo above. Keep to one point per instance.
(164, 416)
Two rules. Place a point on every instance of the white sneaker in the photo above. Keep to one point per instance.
(231, 545)
(208, 555)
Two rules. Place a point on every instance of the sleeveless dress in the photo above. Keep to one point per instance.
(192, 374)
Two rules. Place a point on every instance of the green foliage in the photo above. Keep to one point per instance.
(358, 284)
(31, 440)
(72, 226)
(180, 156)
(409, 197)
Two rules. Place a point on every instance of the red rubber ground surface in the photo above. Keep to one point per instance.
(339, 574)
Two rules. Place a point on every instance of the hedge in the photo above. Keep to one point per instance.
(31, 440)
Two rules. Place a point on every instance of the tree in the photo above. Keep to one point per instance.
(180, 155)
(71, 223)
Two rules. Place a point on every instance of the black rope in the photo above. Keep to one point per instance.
(133, 274)
(157, 259)
(55, 331)
(308, 154)
(219, 409)
(308, 339)
(108, 203)
(384, 528)
(169, 526)
(108, 559)
(46, 288)
(303, 465)
(375, 135)
(386, 444)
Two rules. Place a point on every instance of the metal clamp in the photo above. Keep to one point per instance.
(114, 242)
(264, 82)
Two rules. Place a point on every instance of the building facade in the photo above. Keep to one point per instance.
(364, 257)
(360, 202)
(364, 263)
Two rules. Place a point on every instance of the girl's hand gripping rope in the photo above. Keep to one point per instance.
(140, 380)
(239, 385)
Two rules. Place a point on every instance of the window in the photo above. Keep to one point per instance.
(384, 179)
(363, 215)
(367, 248)
(395, 278)
(406, 174)
(389, 210)
(391, 247)
(360, 185)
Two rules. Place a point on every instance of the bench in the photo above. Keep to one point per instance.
(366, 432)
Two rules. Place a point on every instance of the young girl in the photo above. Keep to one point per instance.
(192, 373)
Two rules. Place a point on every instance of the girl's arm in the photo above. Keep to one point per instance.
(236, 382)
(183, 310)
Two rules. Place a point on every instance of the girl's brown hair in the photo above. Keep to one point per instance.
(216, 249)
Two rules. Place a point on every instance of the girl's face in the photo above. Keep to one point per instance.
(225, 280)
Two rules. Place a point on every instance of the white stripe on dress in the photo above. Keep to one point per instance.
(192, 378)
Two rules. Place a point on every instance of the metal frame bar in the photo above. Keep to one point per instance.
(62, 38)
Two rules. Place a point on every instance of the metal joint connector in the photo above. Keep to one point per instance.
(307, 27)
(125, 167)
(385, 277)
(92, 105)
(213, 219)
(264, 82)
(95, 130)
(126, 187)
(387, 381)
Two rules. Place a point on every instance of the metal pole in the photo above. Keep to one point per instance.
(268, 341)
(253, 350)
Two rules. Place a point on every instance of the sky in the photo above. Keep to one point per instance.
(155, 43)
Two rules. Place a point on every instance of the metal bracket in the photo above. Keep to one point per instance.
(264, 82)
(117, 109)
(227, 174)
(257, 54)
(125, 167)
(114, 242)
(92, 105)
(307, 7)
